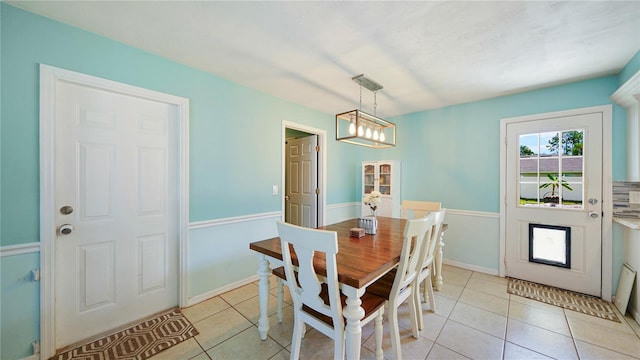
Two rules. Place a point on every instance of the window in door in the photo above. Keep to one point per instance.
(551, 169)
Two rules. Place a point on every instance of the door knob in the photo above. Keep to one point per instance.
(286, 197)
(593, 214)
(65, 229)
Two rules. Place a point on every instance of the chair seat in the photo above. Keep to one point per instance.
(370, 303)
(279, 272)
(382, 287)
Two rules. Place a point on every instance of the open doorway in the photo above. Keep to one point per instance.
(303, 179)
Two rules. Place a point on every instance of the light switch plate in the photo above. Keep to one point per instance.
(274, 190)
(634, 197)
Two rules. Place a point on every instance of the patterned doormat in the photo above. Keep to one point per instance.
(585, 304)
(138, 342)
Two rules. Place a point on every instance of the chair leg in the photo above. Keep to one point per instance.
(296, 340)
(429, 286)
(425, 291)
(378, 334)
(338, 344)
(414, 302)
(418, 308)
(280, 299)
(394, 331)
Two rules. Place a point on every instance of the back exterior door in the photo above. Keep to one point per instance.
(554, 202)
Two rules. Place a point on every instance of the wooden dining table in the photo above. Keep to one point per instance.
(360, 262)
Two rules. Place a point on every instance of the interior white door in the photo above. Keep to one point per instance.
(554, 202)
(116, 171)
(301, 199)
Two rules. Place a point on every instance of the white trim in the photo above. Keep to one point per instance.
(49, 76)
(342, 205)
(473, 213)
(234, 220)
(322, 169)
(475, 268)
(607, 195)
(221, 290)
(624, 96)
(11, 250)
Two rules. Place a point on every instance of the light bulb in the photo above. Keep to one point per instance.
(375, 135)
(360, 130)
(382, 136)
(352, 128)
(368, 134)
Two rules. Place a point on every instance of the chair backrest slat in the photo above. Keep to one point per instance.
(307, 243)
(414, 234)
(433, 237)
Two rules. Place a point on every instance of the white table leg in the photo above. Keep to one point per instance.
(263, 290)
(437, 274)
(353, 312)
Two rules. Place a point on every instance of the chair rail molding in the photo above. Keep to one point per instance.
(27, 248)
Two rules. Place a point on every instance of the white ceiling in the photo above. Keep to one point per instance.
(426, 54)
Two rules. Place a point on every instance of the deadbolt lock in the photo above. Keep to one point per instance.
(66, 210)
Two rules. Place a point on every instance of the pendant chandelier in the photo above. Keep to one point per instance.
(359, 128)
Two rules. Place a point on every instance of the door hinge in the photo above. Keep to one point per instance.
(35, 275)
(317, 191)
(317, 148)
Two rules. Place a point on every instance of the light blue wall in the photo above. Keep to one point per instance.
(232, 169)
(630, 69)
(453, 153)
(235, 131)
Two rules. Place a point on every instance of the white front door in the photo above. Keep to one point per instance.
(116, 184)
(301, 200)
(554, 202)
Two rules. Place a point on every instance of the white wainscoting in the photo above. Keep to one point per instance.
(472, 240)
(219, 258)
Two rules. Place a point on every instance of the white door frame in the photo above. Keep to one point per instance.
(322, 162)
(607, 196)
(49, 76)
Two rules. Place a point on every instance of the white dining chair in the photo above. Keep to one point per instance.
(426, 259)
(398, 285)
(317, 303)
(417, 209)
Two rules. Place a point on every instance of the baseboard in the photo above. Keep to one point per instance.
(221, 290)
(475, 268)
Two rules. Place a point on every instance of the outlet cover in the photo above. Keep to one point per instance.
(634, 197)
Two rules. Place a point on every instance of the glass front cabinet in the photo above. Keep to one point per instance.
(382, 176)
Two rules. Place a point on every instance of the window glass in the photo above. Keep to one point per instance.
(551, 169)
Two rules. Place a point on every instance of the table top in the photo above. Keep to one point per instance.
(360, 260)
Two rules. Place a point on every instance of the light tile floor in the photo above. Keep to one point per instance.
(475, 319)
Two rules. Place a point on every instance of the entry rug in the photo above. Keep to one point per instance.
(585, 304)
(138, 342)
